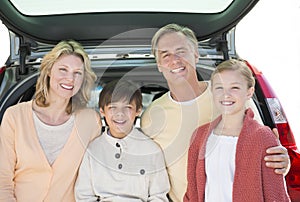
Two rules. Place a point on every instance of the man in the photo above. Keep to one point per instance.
(171, 119)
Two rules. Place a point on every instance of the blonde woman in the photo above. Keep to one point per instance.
(42, 141)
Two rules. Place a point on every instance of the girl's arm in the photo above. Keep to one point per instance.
(274, 187)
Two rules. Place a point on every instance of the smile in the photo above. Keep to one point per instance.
(177, 70)
(67, 87)
(227, 103)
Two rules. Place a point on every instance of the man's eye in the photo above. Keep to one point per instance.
(181, 52)
(165, 55)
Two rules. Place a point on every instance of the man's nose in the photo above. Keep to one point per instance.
(174, 57)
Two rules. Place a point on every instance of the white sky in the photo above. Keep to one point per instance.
(269, 38)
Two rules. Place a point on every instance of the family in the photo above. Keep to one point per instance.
(198, 142)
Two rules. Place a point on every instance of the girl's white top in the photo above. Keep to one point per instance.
(219, 167)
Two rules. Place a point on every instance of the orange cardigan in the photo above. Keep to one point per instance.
(253, 181)
(25, 174)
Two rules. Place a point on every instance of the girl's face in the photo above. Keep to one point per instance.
(230, 92)
(66, 77)
(120, 117)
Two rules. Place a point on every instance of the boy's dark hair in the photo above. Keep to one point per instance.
(120, 90)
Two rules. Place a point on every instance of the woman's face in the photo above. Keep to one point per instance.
(66, 77)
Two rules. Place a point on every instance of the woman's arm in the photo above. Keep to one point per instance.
(7, 158)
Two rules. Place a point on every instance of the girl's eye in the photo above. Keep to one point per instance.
(63, 69)
(235, 87)
(218, 88)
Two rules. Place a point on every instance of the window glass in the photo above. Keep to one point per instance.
(4, 41)
(33, 7)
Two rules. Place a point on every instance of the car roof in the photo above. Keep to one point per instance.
(94, 26)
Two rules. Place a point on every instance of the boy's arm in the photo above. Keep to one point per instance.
(83, 186)
(159, 181)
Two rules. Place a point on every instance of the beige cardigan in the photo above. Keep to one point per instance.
(25, 173)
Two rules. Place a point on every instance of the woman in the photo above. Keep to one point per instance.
(42, 141)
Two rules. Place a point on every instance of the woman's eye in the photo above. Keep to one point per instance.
(78, 73)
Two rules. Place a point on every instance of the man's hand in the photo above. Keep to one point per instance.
(278, 158)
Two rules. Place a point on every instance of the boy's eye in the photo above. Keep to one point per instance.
(218, 88)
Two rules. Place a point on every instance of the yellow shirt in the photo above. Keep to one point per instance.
(25, 173)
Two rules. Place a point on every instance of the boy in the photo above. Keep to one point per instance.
(122, 164)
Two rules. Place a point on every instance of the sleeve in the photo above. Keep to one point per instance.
(269, 178)
(83, 186)
(251, 104)
(159, 181)
(7, 158)
(191, 191)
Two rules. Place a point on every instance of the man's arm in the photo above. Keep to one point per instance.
(278, 158)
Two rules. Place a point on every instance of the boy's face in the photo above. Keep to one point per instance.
(120, 117)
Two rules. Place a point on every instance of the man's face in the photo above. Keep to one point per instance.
(176, 57)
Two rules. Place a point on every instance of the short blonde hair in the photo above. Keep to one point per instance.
(79, 100)
(173, 28)
(236, 65)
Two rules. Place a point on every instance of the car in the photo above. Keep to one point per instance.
(117, 37)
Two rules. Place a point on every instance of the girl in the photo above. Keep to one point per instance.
(225, 160)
